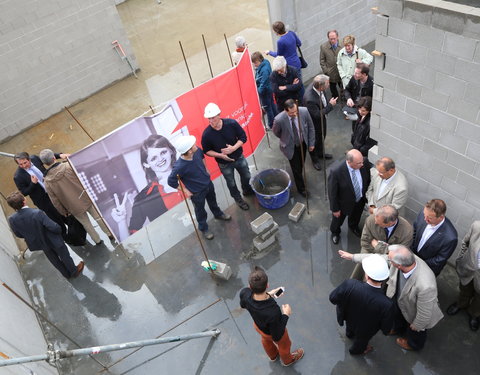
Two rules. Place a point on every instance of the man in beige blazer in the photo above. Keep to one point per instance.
(415, 297)
(328, 61)
(383, 228)
(388, 186)
(468, 270)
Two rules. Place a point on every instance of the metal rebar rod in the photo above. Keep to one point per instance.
(228, 49)
(208, 57)
(186, 64)
(79, 124)
(60, 354)
(7, 154)
(304, 171)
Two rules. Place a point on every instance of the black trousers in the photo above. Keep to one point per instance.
(353, 218)
(416, 339)
(296, 165)
(61, 260)
(359, 343)
(317, 153)
(334, 90)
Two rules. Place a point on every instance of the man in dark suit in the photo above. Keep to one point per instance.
(295, 129)
(41, 233)
(434, 236)
(286, 82)
(318, 107)
(29, 180)
(347, 184)
(363, 305)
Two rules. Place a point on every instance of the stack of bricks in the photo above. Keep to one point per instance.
(265, 229)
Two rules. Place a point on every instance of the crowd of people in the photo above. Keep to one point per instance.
(393, 286)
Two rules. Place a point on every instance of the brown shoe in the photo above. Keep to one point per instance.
(79, 269)
(403, 343)
(297, 356)
(392, 332)
(368, 349)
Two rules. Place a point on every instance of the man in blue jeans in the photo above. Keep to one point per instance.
(190, 167)
(223, 140)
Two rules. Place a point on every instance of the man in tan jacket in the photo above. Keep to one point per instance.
(413, 288)
(468, 270)
(68, 195)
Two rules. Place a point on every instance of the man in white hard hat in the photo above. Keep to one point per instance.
(223, 140)
(191, 169)
(363, 305)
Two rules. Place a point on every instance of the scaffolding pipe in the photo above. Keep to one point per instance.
(54, 355)
(7, 154)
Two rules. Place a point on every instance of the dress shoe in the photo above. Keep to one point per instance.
(297, 356)
(474, 323)
(403, 343)
(453, 309)
(392, 332)
(80, 267)
(242, 204)
(327, 156)
(208, 235)
(368, 349)
(248, 193)
(356, 232)
(303, 193)
(335, 238)
(223, 217)
(99, 243)
(317, 166)
(111, 238)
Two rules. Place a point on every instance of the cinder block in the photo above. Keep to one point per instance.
(392, 8)
(472, 27)
(393, 98)
(459, 46)
(455, 188)
(378, 93)
(387, 45)
(391, 128)
(403, 119)
(296, 213)
(449, 21)
(434, 99)
(466, 70)
(461, 162)
(384, 79)
(444, 169)
(417, 13)
(435, 149)
(443, 121)
(448, 85)
(401, 29)
(381, 109)
(375, 121)
(422, 75)
(261, 223)
(470, 182)
(428, 37)
(266, 234)
(223, 270)
(454, 142)
(411, 138)
(417, 109)
(473, 197)
(409, 89)
(463, 109)
(382, 25)
(473, 151)
(472, 90)
(412, 53)
(429, 175)
(397, 67)
(260, 245)
(440, 61)
(468, 130)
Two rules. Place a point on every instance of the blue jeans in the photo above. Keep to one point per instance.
(266, 100)
(228, 170)
(198, 200)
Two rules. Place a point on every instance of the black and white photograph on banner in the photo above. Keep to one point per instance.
(125, 173)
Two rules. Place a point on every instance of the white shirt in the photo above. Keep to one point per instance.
(34, 171)
(322, 96)
(384, 184)
(295, 121)
(428, 232)
(409, 273)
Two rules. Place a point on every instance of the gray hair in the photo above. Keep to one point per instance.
(320, 81)
(47, 156)
(386, 163)
(278, 63)
(388, 212)
(401, 255)
(240, 41)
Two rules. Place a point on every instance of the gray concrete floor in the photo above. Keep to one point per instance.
(132, 293)
(121, 297)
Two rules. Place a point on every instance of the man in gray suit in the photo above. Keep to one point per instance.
(468, 270)
(383, 228)
(295, 129)
(388, 186)
(413, 288)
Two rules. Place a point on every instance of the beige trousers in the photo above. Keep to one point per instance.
(87, 224)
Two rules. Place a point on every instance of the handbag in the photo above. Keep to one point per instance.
(76, 233)
(303, 63)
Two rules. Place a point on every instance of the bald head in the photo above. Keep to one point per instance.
(354, 159)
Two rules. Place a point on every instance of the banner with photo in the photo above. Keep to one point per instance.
(125, 172)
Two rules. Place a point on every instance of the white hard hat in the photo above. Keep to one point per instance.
(211, 110)
(185, 143)
(375, 266)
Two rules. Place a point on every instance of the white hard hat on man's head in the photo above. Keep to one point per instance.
(211, 110)
(376, 267)
(185, 143)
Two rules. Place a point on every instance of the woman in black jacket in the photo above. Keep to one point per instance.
(361, 131)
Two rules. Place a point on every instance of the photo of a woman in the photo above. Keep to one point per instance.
(157, 156)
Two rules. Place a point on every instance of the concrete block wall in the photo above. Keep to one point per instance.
(21, 334)
(55, 53)
(311, 19)
(426, 107)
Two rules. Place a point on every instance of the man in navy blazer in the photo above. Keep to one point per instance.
(434, 236)
(29, 181)
(41, 233)
(347, 184)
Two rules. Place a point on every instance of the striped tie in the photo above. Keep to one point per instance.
(356, 187)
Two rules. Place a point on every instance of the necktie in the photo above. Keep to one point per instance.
(296, 138)
(356, 187)
(324, 101)
(386, 233)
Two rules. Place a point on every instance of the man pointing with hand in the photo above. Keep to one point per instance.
(223, 140)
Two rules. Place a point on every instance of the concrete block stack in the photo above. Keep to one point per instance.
(265, 228)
